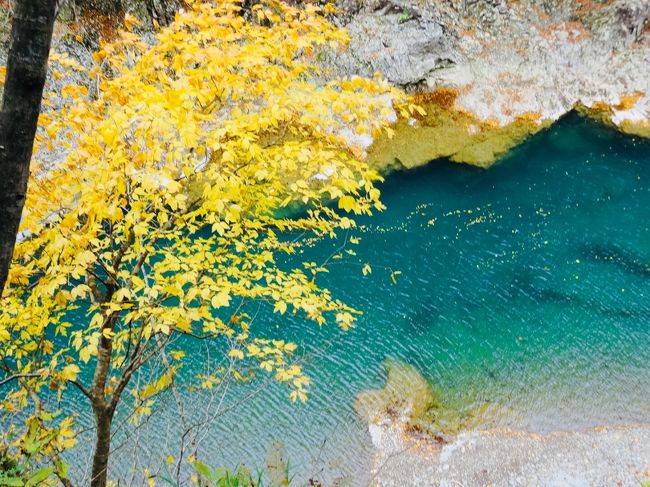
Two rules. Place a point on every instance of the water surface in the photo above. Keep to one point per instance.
(524, 287)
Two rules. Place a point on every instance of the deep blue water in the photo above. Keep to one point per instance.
(525, 287)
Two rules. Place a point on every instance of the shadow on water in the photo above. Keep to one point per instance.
(615, 255)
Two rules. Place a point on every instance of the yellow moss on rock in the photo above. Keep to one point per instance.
(446, 131)
(638, 129)
(599, 111)
(490, 143)
(603, 113)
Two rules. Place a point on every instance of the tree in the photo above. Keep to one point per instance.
(31, 35)
(165, 218)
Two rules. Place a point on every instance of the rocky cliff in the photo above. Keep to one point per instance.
(513, 66)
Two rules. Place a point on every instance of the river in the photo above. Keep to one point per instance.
(522, 290)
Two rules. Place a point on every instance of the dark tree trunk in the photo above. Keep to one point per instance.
(102, 409)
(103, 420)
(31, 35)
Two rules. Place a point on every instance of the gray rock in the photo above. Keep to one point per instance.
(509, 59)
(405, 47)
(620, 24)
(498, 458)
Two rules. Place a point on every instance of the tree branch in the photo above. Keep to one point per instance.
(18, 376)
(80, 386)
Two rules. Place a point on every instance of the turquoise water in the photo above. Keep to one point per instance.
(525, 287)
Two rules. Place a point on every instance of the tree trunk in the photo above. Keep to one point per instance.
(103, 420)
(102, 408)
(31, 35)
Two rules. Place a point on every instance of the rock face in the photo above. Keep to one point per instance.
(508, 59)
(405, 50)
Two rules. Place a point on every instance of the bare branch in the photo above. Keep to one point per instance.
(19, 376)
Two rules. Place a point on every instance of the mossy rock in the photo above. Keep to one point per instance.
(638, 129)
(603, 113)
(446, 131)
(408, 397)
(406, 392)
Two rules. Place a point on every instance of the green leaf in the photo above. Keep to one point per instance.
(62, 468)
(32, 446)
(39, 476)
(11, 481)
(244, 477)
(220, 474)
(202, 469)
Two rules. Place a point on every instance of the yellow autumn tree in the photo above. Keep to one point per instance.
(169, 212)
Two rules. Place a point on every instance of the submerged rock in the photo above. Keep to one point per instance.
(406, 395)
(613, 254)
(409, 409)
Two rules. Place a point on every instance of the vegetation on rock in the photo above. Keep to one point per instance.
(442, 130)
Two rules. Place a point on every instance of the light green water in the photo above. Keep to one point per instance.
(525, 287)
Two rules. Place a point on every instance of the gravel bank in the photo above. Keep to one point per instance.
(617, 456)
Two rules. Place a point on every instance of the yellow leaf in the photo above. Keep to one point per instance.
(122, 294)
(347, 203)
(177, 354)
(280, 307)
(220, 300)
(130, 21)
(70, 372)
(85, 354)
(235, 353)
(393, 276)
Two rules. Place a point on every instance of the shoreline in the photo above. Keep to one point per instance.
(606, 455)
(418, 440)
